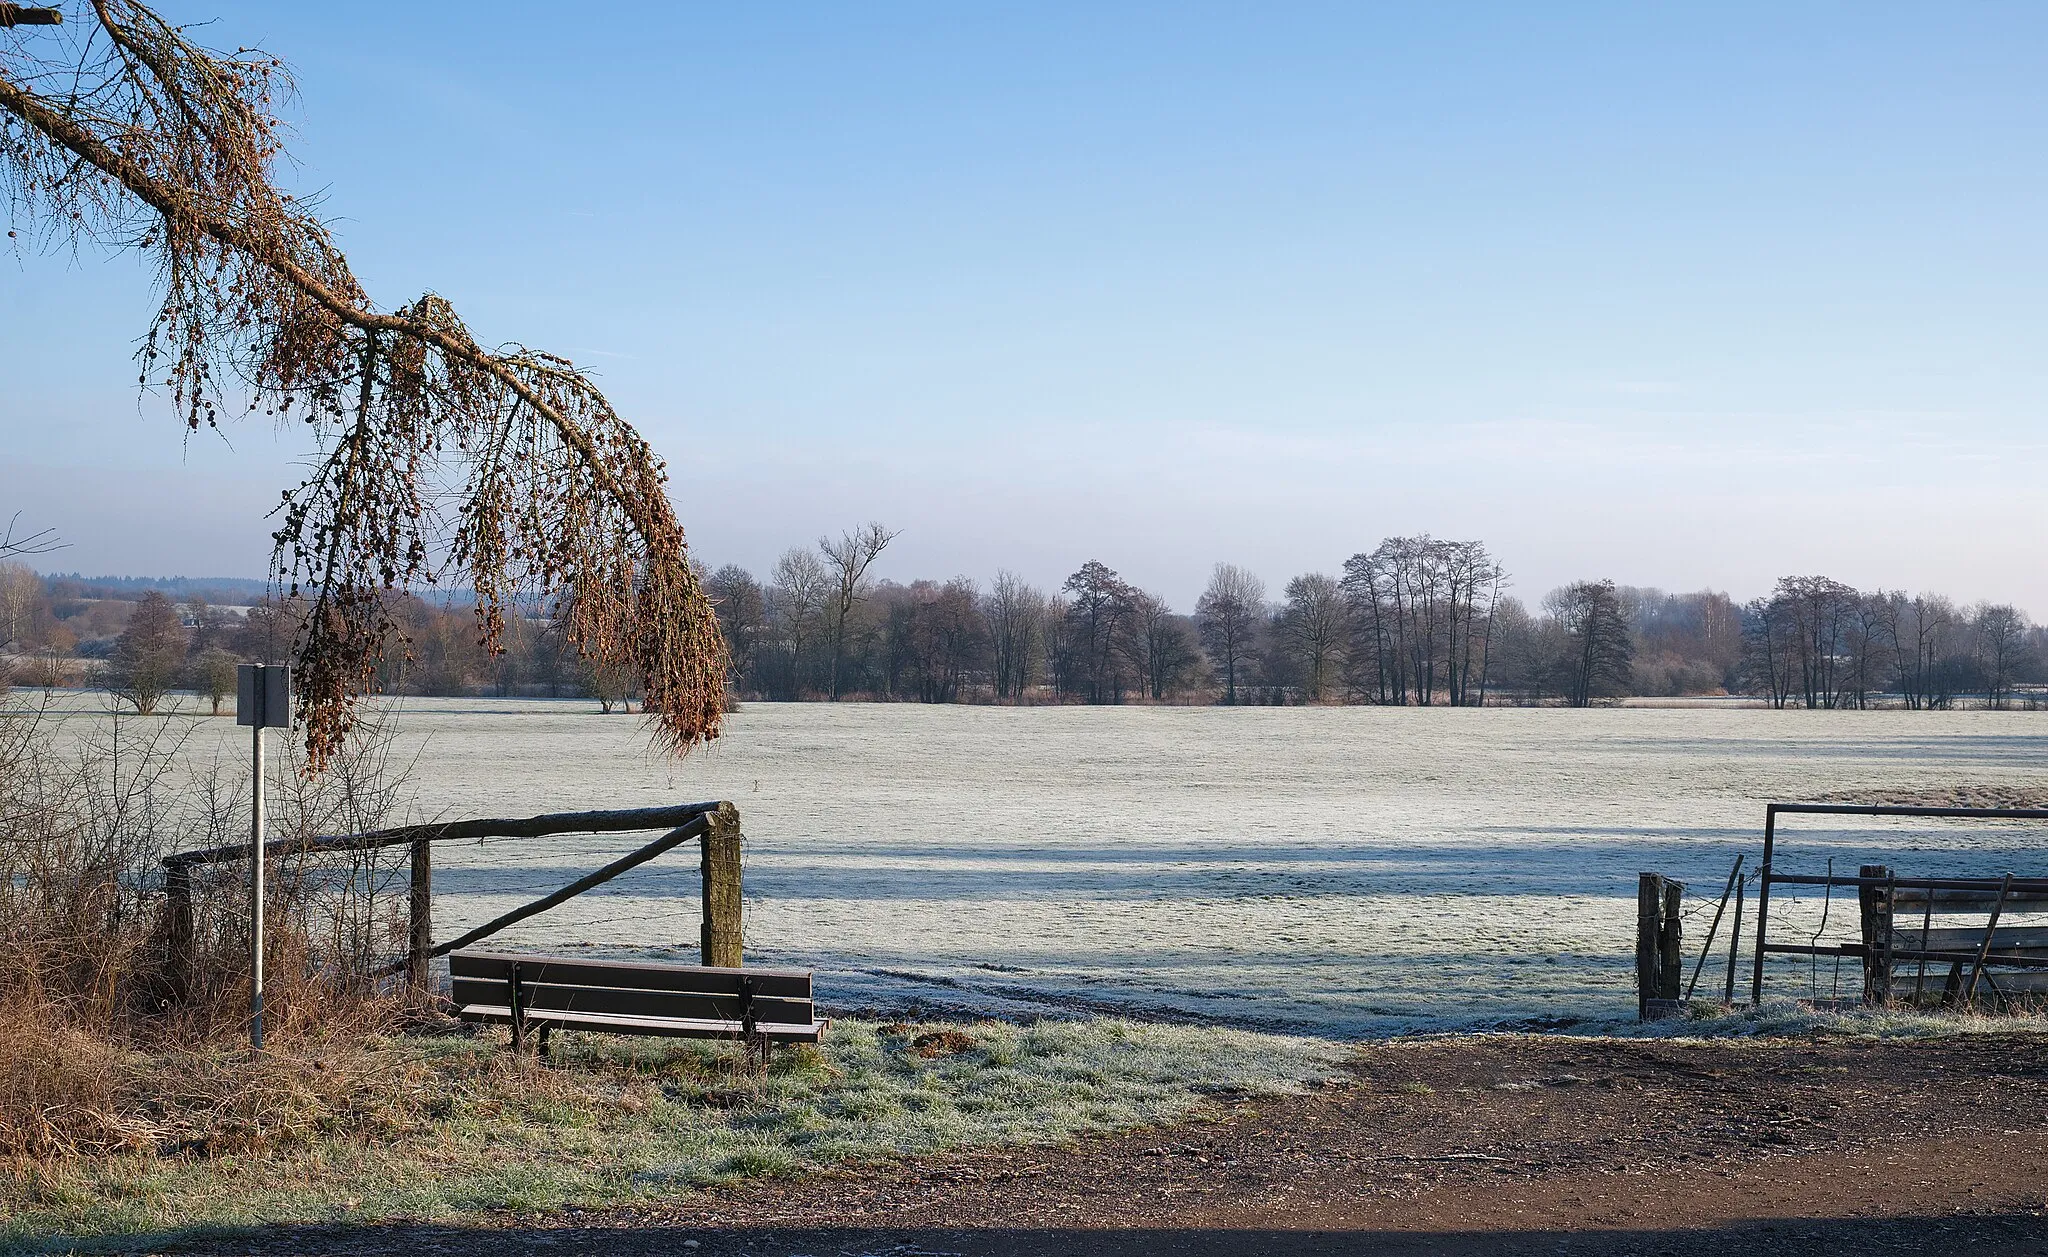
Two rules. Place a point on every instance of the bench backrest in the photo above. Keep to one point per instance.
(633, 988)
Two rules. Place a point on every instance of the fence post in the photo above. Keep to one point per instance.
(721, 848)
(1672, 943)
(178, 928)
(420, 942)
(1875, 901)
(1734, 943)
(1649, 941)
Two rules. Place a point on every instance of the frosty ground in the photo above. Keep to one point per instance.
(1333, 875)
(1330, 871)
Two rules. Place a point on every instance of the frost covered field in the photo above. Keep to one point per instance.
(1337, 870)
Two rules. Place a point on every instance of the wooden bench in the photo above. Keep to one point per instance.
(541, 993)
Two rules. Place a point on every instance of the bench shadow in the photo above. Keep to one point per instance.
(1987, 1234)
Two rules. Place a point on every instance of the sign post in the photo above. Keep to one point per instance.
(262, 701)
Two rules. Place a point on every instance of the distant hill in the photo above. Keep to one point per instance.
(217, 589)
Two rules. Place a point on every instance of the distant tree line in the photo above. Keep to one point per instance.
(1415, 621)
(1816, 642)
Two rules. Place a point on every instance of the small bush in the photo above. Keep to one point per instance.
(106, 1048)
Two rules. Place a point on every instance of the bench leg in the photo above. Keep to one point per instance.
(541, 1040)
(518, 1012)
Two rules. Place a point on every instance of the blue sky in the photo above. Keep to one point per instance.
(1689, 298)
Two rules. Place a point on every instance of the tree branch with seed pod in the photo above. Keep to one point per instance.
(438, 458)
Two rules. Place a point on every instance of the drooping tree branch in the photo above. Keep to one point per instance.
(132, 136)
(12, 15)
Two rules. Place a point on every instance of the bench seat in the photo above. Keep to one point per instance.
(633, 997)
(673, 1027)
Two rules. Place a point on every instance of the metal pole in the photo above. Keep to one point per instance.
(262, 701)
(1763, 903)
(1734, 943)
(1715, 928)
(256, 891)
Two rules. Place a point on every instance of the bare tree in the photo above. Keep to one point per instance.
(1315, 623)
(148, 654)
(742, 607)
(2001, 633)
(610, 686)
(1422, 611)
(13, 542)
(1064, 656)
(1820, 613)
(21, 596)
(847, 559)
(214, 675)
(1598, 650)
(1771, 650)
(802, 586)
(1096, 618)
(1865, 650)
(1162, 650)
(940, 636)
(1472, 582)
(1228, 616)
(132, 136)
(1015, 613)
(1518, 659)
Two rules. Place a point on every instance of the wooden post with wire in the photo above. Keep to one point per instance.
(420, 919)
(1660, 966)
(178, 929)
(1874, 905)
(1734, 875)
(722, 905)
(1671, 962)
(1649, 943)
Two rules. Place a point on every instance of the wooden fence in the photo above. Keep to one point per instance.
(715, 826)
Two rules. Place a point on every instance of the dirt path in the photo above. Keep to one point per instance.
(1468, 1146)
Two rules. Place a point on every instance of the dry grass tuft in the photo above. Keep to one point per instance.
(60, 1090)
(68, 1093)
(947, 1042)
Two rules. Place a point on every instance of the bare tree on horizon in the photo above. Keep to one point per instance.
(1315, 623)
(1016, 614)
(1228, 616)
(848, 559)
(801, 588)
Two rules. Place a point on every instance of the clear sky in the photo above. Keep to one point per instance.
(1680, 296)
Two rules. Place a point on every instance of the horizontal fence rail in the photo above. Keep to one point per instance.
(1890, 809)
(617, 821)
(2029, 886)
